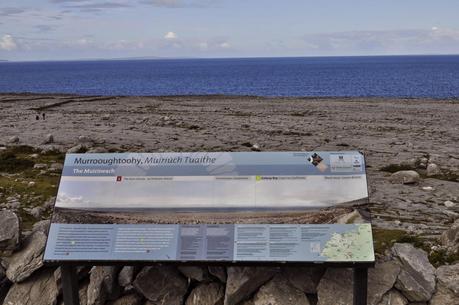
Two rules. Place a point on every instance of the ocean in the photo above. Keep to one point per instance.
(366, 76)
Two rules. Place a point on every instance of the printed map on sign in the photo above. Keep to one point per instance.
(211, 206)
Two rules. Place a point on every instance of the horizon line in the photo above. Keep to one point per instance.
(140, 58)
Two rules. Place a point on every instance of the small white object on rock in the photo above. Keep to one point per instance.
(31, 183)
(256, 147)
(427, 188)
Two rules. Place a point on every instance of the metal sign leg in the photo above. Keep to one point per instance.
(70, 285)
(360, 285)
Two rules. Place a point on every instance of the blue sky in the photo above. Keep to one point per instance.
(75, 29)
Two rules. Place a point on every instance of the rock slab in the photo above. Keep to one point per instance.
(162, 285)
(207, 294)
(336, 286)
(39, 289)
(24, 262)
(103, 285)
(450, 238)
(417, 277)
(279, 291)
(242, 282)
(10, 232)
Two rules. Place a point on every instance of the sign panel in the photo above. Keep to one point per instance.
(265, 206)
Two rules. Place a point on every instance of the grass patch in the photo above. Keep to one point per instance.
(441, 257)
(385, 239)
(10, 163)
(18, 163)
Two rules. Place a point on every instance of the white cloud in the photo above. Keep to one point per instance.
(170, 35)
(225, 45)
(203, 45)
(417, 41)
(180, 3)
(8, 43)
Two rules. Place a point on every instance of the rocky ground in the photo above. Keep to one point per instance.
(412, 153)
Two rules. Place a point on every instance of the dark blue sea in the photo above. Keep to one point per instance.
(371, 76)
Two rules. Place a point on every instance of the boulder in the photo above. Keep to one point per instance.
(40, 166)
(417, 277)
(13, 139)
(126, 276)
(448, 276)
(393, 297)
(41, 226)
(279, 291)
(207, 294)
(162, 285)
(450, 238)
(36, 212)
(444, 296)
(84, 139)
(305, 279)
(405, 177)
(194, 272)
(56, 167)
(128, 299)
(103, 285)
(49, 139)
(49, 204)
(76, 149)
(336, 286)
(450, 204)
(242, 282)
(432, 170)
(24, 262)
(39, 289)
(218, 272)
(10, 232)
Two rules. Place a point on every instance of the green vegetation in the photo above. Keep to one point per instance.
(441, 257)
(385, 239)
(17, 171)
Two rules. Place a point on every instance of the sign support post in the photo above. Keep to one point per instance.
(360, 285)
(70, 285)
